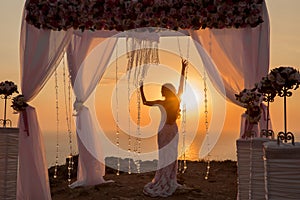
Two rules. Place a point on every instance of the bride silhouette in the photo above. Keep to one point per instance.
(164, 182)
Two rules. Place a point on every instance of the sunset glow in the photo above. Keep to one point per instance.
(284, 50)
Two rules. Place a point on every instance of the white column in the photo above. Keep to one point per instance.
(9, 138)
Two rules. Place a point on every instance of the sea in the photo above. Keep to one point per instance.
(224, 149)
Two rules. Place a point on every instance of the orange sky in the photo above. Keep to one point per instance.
(285, 43)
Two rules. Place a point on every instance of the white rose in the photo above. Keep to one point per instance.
(271, 77)
(7, 87)
(294, 77)
(297, 76)
(259, 85)
(279, 80)
(287, 70)
(244, 98)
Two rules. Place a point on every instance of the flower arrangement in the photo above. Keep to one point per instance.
(18, 103)
(251, 100)
(265, 87)
(130, 14)
(283, 79)
(7, 88)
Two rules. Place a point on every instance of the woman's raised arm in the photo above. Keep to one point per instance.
(145, 102)
(184, 64)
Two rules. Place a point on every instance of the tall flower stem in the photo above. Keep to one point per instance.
(284, 108)
(5, 121)
(268, 115)
(4, 118)
(285, 136)
(268, 132)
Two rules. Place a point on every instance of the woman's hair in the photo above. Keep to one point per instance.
(170, 87)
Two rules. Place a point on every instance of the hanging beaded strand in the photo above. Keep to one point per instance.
(140, 78)
(183, 166)
(117, 114)
(206, 113)
(70, 100)
(57, 124)
(67, 98)
(138, 133)
(129, 126)
(184, 122)
(206, 125)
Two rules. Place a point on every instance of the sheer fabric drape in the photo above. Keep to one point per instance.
(40, 52)
(85, 76)
(240, 55)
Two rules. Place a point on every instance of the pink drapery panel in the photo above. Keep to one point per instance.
(85, 77)
(91, 167)
(40, 52)
(77, 50)
(81, 45)
(90, 164)
(240, 55)
(33, 181)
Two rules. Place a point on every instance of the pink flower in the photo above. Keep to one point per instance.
(58, 14)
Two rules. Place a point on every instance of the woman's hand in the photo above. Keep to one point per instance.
(141, 83)
(184, 63)
(142, 92)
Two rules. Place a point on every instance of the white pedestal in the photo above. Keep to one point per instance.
(243, 168)
(8, 162)
(282, 170)
(257, 169)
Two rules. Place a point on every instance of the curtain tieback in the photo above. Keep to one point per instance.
(25, 120)
(77, 106)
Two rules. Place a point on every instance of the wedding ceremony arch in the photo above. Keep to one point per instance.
(232, 38)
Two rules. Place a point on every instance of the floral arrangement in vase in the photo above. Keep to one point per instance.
(251, 100)
(265, 87)
(123, 15)
(18, 103)
(7, 88)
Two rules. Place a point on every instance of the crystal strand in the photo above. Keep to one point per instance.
(70, 132)
(117, 115)
(183, 136)
(68, 120)
(206, 112)
(182, 150)
(138, 138)
(206, 126)
(118, 146)
(184, 114)
(57, 124)
(129, 126)
(183, 126)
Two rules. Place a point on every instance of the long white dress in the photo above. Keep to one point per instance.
(164, 182)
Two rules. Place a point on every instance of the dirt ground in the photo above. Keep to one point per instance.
(221, 184)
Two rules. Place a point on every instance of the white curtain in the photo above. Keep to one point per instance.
(240, 55)
(85, 76)
(40, 52)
